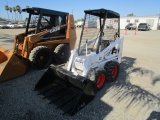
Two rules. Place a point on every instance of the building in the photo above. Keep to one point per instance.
(4, 22)
(153, 21)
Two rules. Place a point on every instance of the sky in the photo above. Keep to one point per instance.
(77, 7)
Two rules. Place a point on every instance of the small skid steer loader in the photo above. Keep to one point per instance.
(94, 62)
(49, 37)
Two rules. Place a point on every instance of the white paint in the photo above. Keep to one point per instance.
(55, 29)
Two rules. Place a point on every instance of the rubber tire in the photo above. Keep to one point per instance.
(93, 76)
(41, 51)
(59, 50)
(109, 67)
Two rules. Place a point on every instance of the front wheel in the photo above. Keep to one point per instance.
(41, 57)
(98, 76)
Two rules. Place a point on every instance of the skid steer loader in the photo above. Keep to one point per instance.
(94, 62)
(49, 36)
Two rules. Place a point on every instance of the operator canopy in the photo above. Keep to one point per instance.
(37, 11)
(102, 12)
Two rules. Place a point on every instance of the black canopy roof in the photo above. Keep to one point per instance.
(102, 12)
(37, 11)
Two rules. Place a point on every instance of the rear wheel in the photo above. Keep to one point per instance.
(112, 70)
(98, 76)
(62, 53)
(41, 57)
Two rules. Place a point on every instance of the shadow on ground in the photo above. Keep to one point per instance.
(154, 116)
(6, 38)
(133, 95)
(19, 101)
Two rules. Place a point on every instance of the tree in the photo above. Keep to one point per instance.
(27, 6)
(7, 8)
(18, 9)
(26, 20)
(2, 19)
(10, 9)
(14, 9)
(81, 19)
(20, 16)
(131, 14)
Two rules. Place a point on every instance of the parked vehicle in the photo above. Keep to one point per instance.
(79, 24)
(32, 25)
(3, 26)
(21, 25)
(131, 26)
(12, 25)
(144, 27)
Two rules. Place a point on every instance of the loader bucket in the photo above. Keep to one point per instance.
(11, 65)
(68, 92)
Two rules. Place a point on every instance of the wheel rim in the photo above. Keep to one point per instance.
(114, 71)
(43, 59)
(64, 55)
(101, 80)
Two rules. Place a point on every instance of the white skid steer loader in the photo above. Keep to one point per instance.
(95, 61)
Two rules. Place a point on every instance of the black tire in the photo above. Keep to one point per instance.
(98, 76)
(62, 53)
(112, 70)
(41, 57)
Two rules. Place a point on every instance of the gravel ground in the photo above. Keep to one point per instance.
(134, 96)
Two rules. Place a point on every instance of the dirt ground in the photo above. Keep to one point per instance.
(134, 96)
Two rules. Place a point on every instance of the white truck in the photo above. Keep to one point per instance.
(79, 24)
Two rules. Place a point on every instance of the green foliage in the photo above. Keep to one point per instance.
(10, 9)
(131, 14)
(26, 20)
(81, 19)
(2, 19)
(14, 9)
(18, 7)
(27, 6)
(6, 7)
